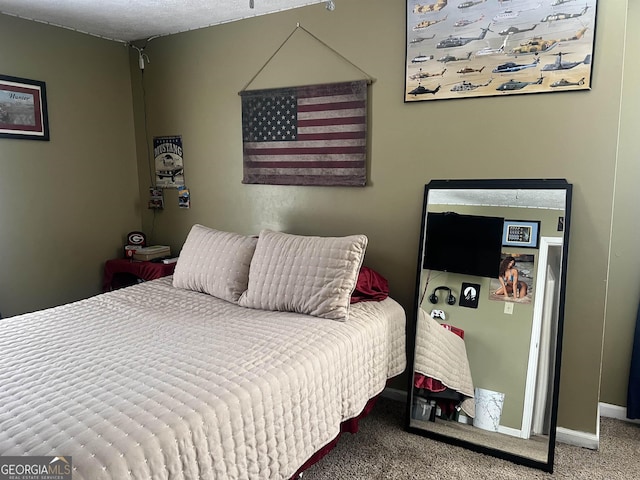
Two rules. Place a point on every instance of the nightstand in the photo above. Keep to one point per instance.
(123, 272)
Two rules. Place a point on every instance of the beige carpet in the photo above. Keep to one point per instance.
(383, 450)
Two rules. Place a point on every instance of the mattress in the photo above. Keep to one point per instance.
(157, 382)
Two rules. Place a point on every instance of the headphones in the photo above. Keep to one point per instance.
(451, 300)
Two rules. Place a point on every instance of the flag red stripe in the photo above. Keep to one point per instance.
(317, 107)
(325, 164)
(331, 136)
(319, 180)
(330, 121)
(304, 151)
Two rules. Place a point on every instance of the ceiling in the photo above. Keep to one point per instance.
(550, 199)
(128, 20)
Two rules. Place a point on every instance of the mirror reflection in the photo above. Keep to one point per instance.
(489, 310)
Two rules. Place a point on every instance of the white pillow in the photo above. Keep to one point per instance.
(215, 262)
(311, 275)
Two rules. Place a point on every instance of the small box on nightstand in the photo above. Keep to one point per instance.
(154, 251)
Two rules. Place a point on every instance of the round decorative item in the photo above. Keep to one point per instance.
(137, 238)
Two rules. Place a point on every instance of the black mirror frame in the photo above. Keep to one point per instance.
(487, 184)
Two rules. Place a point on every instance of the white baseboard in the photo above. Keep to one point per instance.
(513, 432)
(579, 439)
(615, 411)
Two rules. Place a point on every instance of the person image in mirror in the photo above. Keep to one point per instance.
(510, 285)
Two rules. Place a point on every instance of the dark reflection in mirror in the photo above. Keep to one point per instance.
(491, 271)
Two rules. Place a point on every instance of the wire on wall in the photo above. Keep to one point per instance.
(141, 64)
(370, 79)
(152, 179)
(147, 139)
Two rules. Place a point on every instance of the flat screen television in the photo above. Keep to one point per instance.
(467, 244)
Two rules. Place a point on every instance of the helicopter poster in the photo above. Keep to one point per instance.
(482, 48)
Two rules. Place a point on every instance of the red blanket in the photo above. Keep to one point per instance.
(371, 286)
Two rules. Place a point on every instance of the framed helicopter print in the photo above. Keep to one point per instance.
(488, 48)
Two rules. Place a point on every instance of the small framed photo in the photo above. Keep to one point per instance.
(469, 295)
(23, 109)
(524, 234)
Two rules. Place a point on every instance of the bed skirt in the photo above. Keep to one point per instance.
(350, 426)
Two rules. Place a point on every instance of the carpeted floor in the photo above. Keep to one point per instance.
(383, 450)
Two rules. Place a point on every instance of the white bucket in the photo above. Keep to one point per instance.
(421, 409)
(488, 409)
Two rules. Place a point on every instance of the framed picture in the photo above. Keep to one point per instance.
(469, 295)
(481, 48)
(169, 161)
(518, 273)
(23, 109)
(523, 234)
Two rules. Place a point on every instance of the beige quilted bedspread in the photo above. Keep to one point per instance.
(157, 382)
(441, 354)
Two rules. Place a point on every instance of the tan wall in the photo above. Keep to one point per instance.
(192, 84)
(67, 204)
(624, 277)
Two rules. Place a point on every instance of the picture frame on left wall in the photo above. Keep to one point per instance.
(23, 109)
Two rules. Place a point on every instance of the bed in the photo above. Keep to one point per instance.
(169, 379)
(441, 363)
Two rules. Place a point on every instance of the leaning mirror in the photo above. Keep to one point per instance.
(489, 309)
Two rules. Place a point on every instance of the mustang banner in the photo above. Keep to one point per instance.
(169, 163)
(308, 135)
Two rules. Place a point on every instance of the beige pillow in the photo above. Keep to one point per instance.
(215, 262)
(310, 275)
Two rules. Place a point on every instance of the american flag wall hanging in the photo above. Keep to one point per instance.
(307, 135)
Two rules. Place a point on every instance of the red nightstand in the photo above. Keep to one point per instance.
(122, 272)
